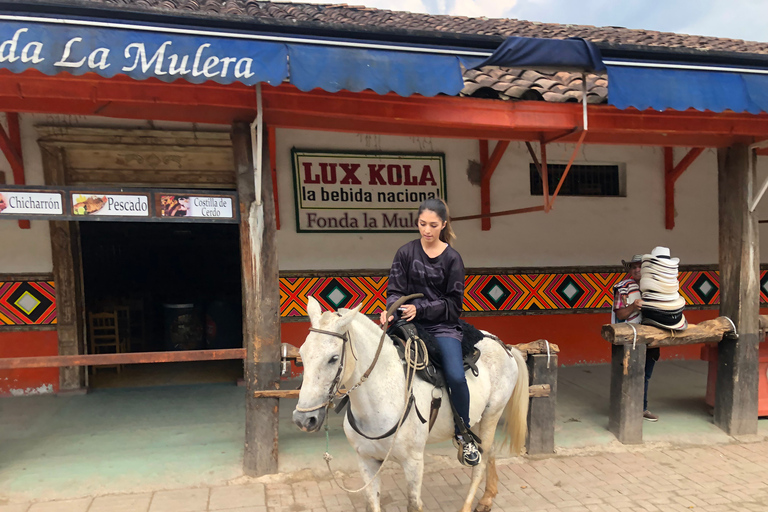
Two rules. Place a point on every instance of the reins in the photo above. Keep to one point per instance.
(410, 379)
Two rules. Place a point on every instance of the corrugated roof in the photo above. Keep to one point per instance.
(342, 15)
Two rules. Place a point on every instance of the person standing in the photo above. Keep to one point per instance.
(430, 266)
(627, 307)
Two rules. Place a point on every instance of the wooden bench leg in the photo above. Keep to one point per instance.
(625, 418)
(540, 438)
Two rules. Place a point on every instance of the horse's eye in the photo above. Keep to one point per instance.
(333, 359)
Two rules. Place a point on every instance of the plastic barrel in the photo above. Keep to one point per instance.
(183, 327)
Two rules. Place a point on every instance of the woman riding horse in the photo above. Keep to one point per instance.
(430, 266)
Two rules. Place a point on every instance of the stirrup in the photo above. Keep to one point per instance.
(469, 454)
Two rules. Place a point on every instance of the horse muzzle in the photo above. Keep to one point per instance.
(309, 421)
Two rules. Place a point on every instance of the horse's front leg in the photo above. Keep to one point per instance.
(414, 475)
(368, 467)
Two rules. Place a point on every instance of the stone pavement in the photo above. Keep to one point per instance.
(721, 477)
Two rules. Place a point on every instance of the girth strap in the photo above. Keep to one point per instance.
(353, 423)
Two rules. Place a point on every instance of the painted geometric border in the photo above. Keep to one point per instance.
(33, 302)
(27, 302)
(506, 293)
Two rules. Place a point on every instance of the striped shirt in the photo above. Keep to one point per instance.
(624, 294)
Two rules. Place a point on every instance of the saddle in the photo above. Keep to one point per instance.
(432, 373)
(400, 332)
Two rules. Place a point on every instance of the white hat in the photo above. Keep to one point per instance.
(651, 267)
(660, 297)
(665, 305)
(649, 284)
(662, 256)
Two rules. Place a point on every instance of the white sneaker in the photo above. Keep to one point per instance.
(468, 454)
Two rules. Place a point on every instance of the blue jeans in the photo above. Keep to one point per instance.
(651, 356)
(453, 369)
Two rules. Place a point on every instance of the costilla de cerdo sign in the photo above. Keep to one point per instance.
(363, 192)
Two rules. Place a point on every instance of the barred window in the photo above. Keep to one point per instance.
(582, 180)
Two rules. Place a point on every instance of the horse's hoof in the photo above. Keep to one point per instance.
(482, 508)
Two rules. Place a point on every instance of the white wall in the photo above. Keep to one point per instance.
(578, 231)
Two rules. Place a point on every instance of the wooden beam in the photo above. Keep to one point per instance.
(485, 184)
(542, 371)
(368, 112)
(534, 391)
(67, 273)
(544, 176)
(534, 157)
(261, 308)
(272, 149)
(113, 359)
(709, 331)
(277, 393)
(499, 214)
(625, 414)
(671, 174)
(536, 347)
(736, 392)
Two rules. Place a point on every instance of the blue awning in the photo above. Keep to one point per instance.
(196, 55)
(536, 53)
(52, 48)
(680, 89)
(353, 69)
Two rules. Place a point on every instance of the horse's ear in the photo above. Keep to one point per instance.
(314, 311)
(347, 316)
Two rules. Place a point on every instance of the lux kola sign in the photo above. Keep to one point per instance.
(363, 192)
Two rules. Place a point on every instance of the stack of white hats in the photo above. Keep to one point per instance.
(662, 304)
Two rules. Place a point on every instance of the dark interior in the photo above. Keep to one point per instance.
(175, 286)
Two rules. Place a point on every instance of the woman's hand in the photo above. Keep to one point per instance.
(383, 318)
(408, 312)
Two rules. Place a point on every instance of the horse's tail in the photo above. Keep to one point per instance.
(516, 412)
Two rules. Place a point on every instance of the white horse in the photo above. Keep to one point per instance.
(339, 355)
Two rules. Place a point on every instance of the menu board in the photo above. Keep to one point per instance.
(137, 205)
(193, 206)
(30, 203)
(115, 205)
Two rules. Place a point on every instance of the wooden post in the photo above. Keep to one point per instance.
(737, 372)
(540, 438)
(261, 308)
(625, 418)
(67, 276)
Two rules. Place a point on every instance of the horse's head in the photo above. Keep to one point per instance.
(328, 363)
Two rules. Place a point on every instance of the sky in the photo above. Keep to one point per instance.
(737, 19)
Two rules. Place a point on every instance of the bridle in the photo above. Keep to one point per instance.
(344, 337)
(337, 379)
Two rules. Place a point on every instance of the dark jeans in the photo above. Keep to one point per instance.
(651, 356)
(453, 369)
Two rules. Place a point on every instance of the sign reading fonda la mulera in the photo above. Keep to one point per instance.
(348, 192)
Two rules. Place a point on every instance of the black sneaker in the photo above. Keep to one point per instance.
(468, 454)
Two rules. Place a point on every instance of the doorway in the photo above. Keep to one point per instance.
(169, 287)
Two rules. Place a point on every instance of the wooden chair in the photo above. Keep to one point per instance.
(104, 334)
(124, 327)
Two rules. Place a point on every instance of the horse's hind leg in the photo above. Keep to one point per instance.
(414, 475)
(487, 432)
(491, 486)
(368, 467)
